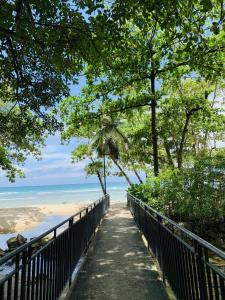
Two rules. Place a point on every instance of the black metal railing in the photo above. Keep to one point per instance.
(190, 264)
(38, 272)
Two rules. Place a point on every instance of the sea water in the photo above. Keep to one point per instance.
(12, 197)
(58, 194)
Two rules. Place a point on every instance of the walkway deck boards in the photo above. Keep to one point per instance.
(119, 266)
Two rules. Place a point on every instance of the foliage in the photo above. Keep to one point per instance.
(94, 167)
(195, 195)
(191, 115)
(21, 135)
(145, 43)
(43, 47)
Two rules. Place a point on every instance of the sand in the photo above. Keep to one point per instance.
(25, 218)
(59, 209)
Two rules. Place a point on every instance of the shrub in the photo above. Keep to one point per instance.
(194, 195)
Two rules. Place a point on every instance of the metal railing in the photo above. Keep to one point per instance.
(186, 260)
(42, 272)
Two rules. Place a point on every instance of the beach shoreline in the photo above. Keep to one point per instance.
(19, 219)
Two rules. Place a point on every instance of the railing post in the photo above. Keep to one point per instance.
(160, 255)
(71, 250)
(2, 292)
(200, 269)
(146, 226)
(23, 275)
(16, 282)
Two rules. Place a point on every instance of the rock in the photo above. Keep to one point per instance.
(2, 253)
(36, 246)
(21, 239)
(41, 243)
(44, 241)
(12, 243)
(15, 242)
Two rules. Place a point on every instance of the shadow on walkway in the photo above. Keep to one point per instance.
(119, 266)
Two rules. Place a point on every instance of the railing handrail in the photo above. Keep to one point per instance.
(193, 236)
(21, 248)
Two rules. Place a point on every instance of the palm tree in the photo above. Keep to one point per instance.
(106, 142)
(82, 152)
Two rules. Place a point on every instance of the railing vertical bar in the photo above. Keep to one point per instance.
(33, 281)
(183, 287)
(29, 272)
(49, 286)
(45, 272)
(222, 289)
(195, 273)
(23, 275)
(208, 275)
(41, 276)
(54, 269)
(9, 289)
(186, 271)
(2, 288)
(215, 284)
(37, 277)
(16, 283)
(192, 283)
(47, 297)
(61, 262)
(57, 279)
(65, 265)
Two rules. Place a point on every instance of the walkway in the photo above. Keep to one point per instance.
(119, 265)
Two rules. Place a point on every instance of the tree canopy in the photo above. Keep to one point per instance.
(136, 58)
(43, 48)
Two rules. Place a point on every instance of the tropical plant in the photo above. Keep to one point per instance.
(94, 167)
(193, 196)
(106, 142)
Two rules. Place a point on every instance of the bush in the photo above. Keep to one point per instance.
(194, 195)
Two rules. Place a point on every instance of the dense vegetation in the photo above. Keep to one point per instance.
(152, 103)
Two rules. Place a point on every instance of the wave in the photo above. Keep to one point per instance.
(77, 191)
(10, 193)
(18, 198)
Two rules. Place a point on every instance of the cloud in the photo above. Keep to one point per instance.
(55, 167)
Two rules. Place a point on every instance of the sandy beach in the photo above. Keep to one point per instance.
(25, 218)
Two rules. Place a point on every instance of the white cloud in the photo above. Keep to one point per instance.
(55, 167)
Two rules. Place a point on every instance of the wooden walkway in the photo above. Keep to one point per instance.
(119, 265)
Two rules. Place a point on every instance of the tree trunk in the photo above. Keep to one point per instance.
(101, 182)
(168, 154)
(181, 147)
(137, 175)
(154, 129)
(99, 178)
(183, 137)
(121, 170)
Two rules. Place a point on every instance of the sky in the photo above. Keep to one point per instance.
(55, 167)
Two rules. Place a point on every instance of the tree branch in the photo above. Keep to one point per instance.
(221, 48)
(184, 133)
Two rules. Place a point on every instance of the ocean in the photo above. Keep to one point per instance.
(58, 194)
(12, 197)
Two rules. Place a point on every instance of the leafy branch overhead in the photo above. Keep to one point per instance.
(156, 67)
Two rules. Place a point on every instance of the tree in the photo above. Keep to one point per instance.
(106, 142)
(148, 42)
(43, 48)
(95, 167)
(190, 117)
(20, 137)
